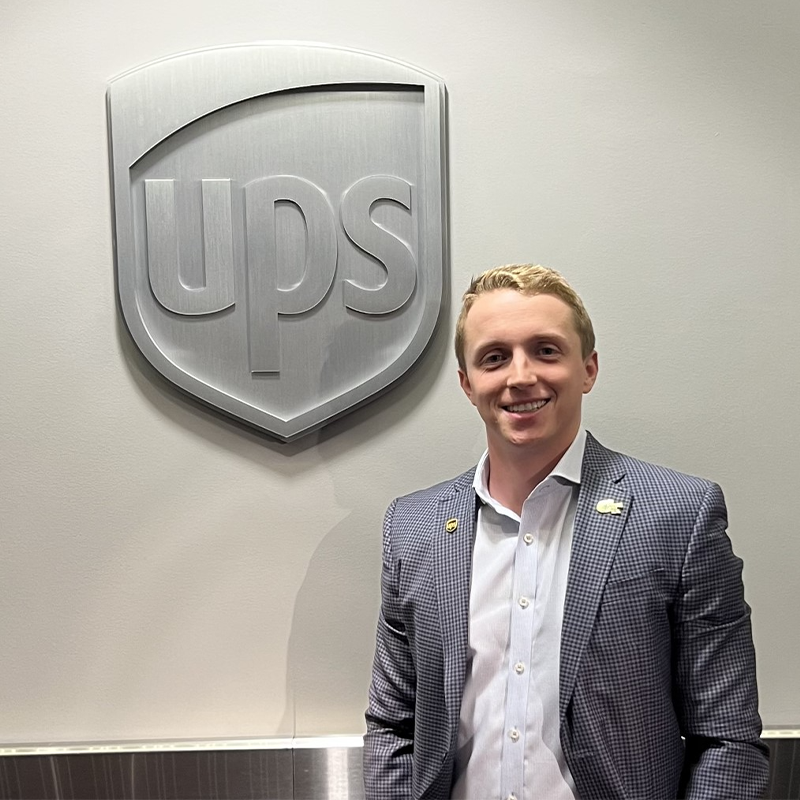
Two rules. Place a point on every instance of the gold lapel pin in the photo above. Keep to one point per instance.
(609, 507)
(451, 525)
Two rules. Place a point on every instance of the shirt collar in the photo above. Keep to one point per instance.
(568, 467)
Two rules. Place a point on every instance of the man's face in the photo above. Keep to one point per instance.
(524, 371)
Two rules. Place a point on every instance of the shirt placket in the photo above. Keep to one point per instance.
(523, 606)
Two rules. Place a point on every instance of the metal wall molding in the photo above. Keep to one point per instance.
(243, 769)
(784, 773)
(247, 769)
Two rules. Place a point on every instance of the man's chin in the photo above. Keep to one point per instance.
(523, 441)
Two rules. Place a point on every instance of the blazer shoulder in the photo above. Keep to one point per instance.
(643, 475)
(438, 493)
(413, 519)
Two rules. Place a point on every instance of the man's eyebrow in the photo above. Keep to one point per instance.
(552, 336)
(488, 343)
(496, 341)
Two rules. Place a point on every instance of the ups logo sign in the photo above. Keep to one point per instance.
(279, 220)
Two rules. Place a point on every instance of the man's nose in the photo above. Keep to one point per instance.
(522, 372)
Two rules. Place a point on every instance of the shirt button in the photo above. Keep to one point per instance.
(524, 602)
(519, 668)
(528, 538)
(513, 734)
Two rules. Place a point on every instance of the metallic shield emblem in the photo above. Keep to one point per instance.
(280, 225)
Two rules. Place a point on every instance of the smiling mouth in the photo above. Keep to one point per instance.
(518, 408)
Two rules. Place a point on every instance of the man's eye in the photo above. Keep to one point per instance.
(548, 351)
(492, 358)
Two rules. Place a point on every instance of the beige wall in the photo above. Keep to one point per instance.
(167, 574)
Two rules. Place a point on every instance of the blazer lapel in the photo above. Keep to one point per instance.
(454, 540)
(595, 538)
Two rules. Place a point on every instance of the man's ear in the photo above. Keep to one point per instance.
(465, 385)
(592, 366)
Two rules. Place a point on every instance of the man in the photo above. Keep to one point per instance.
(562, 621)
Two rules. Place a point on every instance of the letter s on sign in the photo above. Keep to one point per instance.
(375, 240)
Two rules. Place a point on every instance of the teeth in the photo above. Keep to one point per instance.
(526, 406)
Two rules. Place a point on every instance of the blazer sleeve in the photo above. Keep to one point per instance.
(715, 673)
(389, 741)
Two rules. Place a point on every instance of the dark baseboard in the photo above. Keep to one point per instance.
(784, 767)
(201, 772)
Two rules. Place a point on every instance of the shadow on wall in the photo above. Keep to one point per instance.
(332, 636)
(332, 633)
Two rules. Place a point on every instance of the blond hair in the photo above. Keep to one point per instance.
(528, 279)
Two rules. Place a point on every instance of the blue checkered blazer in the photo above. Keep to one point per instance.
(656, 642)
